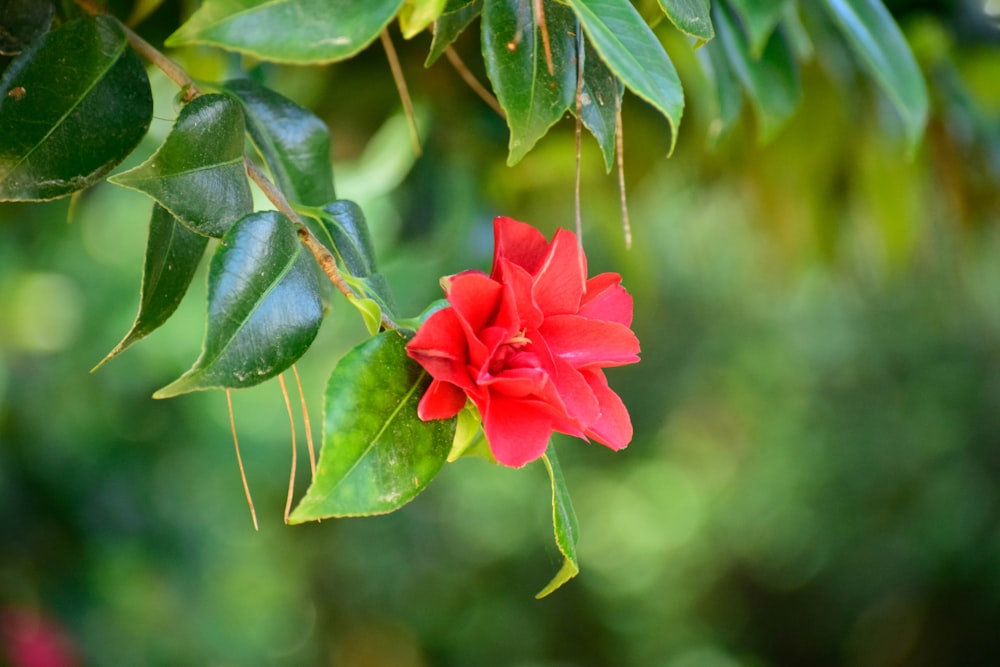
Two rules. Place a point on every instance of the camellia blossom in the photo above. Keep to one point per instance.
(527, 344)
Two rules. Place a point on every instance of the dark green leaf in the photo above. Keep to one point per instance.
(533, 97)
(450, 25)
(634, 54)
(291, 31)
(377, 455)
(881, 47)
(416, 15)
(691, 17)
(601, 96)
(22, 22)
(294, 142)
(72, 106)
(759, 19)
(563, 522)
(198, 173)
(772, 81)
(264, 307)
(173, 253)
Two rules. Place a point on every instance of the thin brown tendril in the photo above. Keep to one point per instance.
(305, 421)
(239, 459)
(473, 82)
(291, 422)
(579, 147)
(620, 149)
(544, 29)
(404, 92)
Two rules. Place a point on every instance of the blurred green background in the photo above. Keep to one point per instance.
(815, 474)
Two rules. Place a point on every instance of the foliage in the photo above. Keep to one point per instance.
(67, 122)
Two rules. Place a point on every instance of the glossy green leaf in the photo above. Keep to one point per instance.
(563, 522)
(370, 311)
(772, 81)
(377, 454)
(290, 31)
(634, 54)
(453, 21)
(691, 17)
(198, 173)
(173, 253)
(533, 97)
(600, 96)
(293, 141)
(759, 18)
(264, 307)
(876, 39)
(22, 22)
(72, 106)
(415, 15)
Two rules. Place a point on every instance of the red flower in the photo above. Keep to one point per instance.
(527, 344)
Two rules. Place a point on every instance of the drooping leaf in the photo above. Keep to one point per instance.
(516, 62)
(876, 39)
(73, 105)
(198, 173)
(772, 81)
(377, 455)
(173, 253)
(728, 96)
(759, 18)
(601, 94)
(290, 31)
(634, 54)
(415, 15)
(563, 522)
(457, 16)
(294, 142)
(22, 22)
(264, 307)
(691, 17)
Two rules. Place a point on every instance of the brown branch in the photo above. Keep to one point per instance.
(404, 92)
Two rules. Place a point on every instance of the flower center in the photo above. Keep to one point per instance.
(507, 349)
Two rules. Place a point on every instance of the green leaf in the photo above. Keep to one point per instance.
(370, 311)
(289, 31)
(563, 522)
(772, 81)
(264, 307)
(72, 107)
(198, 173)
(881, 47)
(377, 455)
(22, 22)
(533, 98)
(416, 15)
(455, 19)
(634, 54)
(173, 253)
(601, 94)
(293, 141)
(759, 19)
(691, 17)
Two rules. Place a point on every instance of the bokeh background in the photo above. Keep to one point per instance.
(815, 474)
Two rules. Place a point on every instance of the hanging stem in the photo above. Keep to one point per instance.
(544, 29)
(239, 459)
(305, 421)
(579, 133)
(404, 92)
(291, 421)
(620, 150)
(473, 82)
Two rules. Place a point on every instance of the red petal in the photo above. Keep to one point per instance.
(576, 394)
(440, 346)
(614, 427)
(519, 243)
(606, 299)
(442, 400)
(476, 297)
(517, 382)
(583, 342)
(560, 279)
(520, 284)
(518, 430)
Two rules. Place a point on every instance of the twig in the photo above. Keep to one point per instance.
(291, 421)
(620, 149)
(239, 459)
(305, 421)
(404, 92)
(473, 82)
